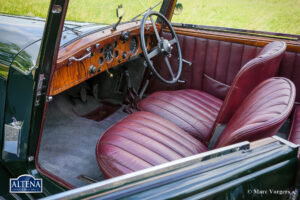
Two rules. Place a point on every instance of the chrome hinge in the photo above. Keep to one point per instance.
(30, 158)
(12, 135)
(49, 98)
(39, 89)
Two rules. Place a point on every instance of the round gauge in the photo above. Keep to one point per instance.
(115, 44)
(133, 44)
(108, 52)
(116, 53)
(101, 61)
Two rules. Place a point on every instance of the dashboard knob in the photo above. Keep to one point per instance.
(124, 55)
(92, 69)
(125, 35)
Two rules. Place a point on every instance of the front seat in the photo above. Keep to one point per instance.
(198, 113)
(143, 139)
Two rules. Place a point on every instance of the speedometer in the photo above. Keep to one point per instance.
(133, 44)
(108, 52)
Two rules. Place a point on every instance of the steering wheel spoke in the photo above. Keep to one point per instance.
(169, 67)
(155, 29)
(155, 51)
(173, 41)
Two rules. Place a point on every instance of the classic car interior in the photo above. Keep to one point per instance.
(148, 93)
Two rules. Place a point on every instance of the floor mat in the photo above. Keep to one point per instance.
(102, 112)
(68, 142)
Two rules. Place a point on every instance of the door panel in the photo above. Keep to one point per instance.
(217, 57)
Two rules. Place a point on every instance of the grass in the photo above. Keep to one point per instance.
(281, 16)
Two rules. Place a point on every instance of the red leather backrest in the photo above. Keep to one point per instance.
(261, 114)
(216, 63)
(290, 68)
(262, 67)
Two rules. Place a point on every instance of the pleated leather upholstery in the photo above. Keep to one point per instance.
(142, 140)
(263, 66)
(261, 114)
(192, 110)
(215, 63)
(295, 130)
(200, 117)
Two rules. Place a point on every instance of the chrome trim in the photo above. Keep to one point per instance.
(39, 89)
(290, 144)
(29, 196)
(88, 55)
(149, 172)
(27, 71)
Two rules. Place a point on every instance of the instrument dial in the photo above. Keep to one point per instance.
(133, 44)
(108, 52)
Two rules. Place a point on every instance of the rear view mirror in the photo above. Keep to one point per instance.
(178, 9)
(120, 11)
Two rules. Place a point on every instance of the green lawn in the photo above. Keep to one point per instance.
(268, 15)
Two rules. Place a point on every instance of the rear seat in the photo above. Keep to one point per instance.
(295, 130)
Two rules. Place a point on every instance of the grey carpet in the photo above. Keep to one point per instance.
(69, 141)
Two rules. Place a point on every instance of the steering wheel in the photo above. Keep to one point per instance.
(163, 47)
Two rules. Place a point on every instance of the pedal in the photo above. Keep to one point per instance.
(96, 91)
(83, 94)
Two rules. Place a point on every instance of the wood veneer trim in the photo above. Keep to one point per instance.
(78, 48)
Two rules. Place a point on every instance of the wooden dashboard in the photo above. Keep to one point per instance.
(102, 50)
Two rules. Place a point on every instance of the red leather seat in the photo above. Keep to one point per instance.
(198, 113)
(295, 129)
(192, 110)
(262, 112)
(143, 139)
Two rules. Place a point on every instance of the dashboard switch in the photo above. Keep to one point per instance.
(125, 35)
(92, 69)
(124, 55)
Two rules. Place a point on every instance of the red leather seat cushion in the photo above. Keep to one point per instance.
(261, 114)
(295, 129)
(142, 140)
(192, 110)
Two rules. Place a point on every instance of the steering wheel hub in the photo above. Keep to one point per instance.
(165, 47)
